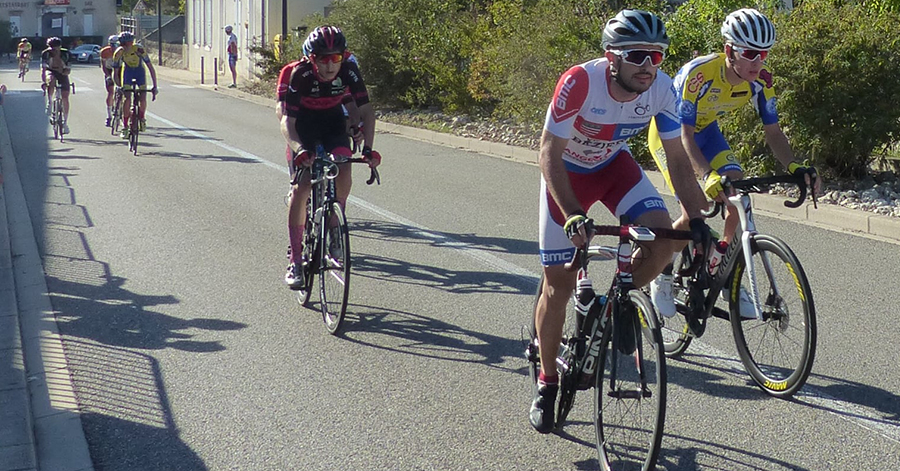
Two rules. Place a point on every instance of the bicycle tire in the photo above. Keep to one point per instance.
(675, 332)
(116, 114)
(627, 442)
(334, 271)
(135, 131)
(310, 254)
(778, 352)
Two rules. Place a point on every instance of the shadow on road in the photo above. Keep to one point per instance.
(399, 233)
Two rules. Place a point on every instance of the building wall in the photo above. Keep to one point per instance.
(59, 17)
(254, 22)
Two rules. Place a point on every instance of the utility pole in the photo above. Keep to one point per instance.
(159, 29)
(284, 28)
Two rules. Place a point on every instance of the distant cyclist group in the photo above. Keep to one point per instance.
(123, 62)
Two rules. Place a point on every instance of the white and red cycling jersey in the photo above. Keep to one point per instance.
(599, 163)
(598, 126)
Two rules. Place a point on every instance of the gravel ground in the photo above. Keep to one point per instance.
(877, 193)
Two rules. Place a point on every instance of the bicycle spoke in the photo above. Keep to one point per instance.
(335, 275)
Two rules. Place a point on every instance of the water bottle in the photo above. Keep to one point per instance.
(584, 296)
(715, 257)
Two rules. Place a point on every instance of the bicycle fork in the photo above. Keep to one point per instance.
(745, 212)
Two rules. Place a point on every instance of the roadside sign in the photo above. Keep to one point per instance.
(140, 7)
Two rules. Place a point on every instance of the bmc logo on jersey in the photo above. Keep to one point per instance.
(624, 131)
(570, 93)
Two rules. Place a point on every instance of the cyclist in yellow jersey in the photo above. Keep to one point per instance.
(24, 54)
(129, 61)
(712, 86)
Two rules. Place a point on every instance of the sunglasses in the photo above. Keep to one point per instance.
(751, 54)
(335, 58)
(640, 56)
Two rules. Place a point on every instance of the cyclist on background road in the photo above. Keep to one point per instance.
(129, 61)
(317, 87)
(23, 53)
(106, 65)
(55, 70)
(709, 87)
(584, 158)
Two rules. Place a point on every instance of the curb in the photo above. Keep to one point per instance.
(53, 418)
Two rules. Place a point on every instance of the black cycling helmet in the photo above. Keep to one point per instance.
(324, 39)
(54, 42)
(126, 37)
(631, 27)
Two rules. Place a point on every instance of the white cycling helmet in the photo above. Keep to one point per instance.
(750, 29)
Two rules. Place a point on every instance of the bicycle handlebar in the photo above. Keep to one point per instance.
(758, 184)
(373, 175)
(580, 258)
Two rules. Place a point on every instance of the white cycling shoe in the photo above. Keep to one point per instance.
(662, 296)
(748, 311)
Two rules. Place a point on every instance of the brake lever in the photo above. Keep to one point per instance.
(373, 177)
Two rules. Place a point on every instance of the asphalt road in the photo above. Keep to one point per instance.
(189, 353)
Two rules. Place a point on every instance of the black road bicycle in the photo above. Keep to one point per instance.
(614, 344)
(326, 240)
(57, 115)
(777, 345)
(134, 128)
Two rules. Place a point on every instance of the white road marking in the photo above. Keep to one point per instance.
(850, 412)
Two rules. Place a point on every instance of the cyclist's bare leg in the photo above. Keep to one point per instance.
(142, 104)
(297, 213)
(732, 219)
(65, 103)
(126, 109)
(550, 313)
(343, 183)
(652, 257)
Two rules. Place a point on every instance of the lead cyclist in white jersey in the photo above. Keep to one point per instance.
(584, 158)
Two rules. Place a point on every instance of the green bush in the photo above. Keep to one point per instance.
(838, 69)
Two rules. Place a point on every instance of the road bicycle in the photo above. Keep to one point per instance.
(134, 128)
(117, 111)
(613, 343)
(777, 345)
(57, 115)
(326, 240)
(23, 67)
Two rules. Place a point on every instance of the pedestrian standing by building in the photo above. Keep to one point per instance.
(231, 47)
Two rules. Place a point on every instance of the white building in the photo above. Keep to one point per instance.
(63, 18)
(254, 22)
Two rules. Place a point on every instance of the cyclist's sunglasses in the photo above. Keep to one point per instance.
(334, 58)
(750, 54)
(639, 56)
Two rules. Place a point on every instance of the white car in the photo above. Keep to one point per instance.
(86, 53)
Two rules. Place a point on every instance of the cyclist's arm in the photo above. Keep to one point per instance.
(152, 72)
(553, 169)
(779, 143)
(367, 114)
(698, 162)
(289, 131)
(681, 172)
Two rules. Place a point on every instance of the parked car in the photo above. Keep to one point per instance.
(87, 53)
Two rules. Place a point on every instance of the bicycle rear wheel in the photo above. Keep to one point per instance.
(629, 413)
(778, 351)
(334, 274)
(133, 133)
(310, 256)
(116, 114)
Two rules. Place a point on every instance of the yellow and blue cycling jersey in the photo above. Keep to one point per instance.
(705, 95)
(131, 62)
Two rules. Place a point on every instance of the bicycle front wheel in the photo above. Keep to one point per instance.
(133, 135)
(675, 332)
(334, 274)
(777, 350)
(630, 394)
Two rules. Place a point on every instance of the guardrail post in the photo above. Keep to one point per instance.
(216, 70)
(202, 69)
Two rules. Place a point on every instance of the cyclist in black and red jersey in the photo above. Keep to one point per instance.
(320, 83)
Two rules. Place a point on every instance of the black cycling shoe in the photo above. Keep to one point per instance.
(541, 415)
(624, 329)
